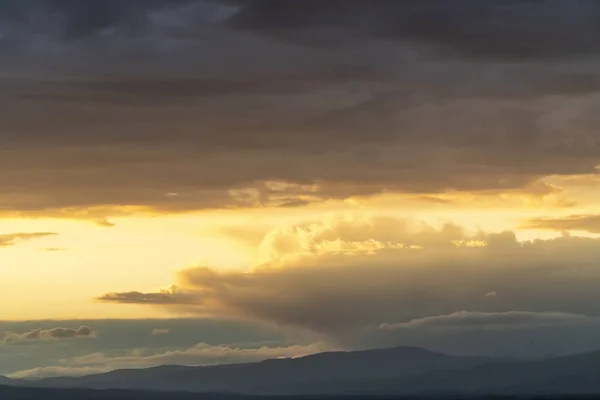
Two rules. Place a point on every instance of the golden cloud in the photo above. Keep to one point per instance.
(342, 289)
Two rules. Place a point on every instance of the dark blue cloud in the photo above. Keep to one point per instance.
(200, 97)
(510, 29)
(77, 19)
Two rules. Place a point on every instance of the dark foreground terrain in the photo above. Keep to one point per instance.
(12, 393)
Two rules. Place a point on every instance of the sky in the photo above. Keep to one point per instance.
(207, 181)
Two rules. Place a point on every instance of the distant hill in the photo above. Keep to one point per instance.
(576, 374)
(320, 373)
(405, 371)
(5, 381)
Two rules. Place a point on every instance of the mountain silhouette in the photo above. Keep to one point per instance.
(5, 381)
(320, 373)
(402, 371)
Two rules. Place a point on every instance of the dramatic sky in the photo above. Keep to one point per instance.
(208, 181)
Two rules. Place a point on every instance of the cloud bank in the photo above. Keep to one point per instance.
(201, 354)
(344, 278)
(190, 104)
(464, 320)
(83, 332)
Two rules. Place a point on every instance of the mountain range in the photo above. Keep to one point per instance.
(401, 371)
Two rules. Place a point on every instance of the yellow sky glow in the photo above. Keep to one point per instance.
(57, 276)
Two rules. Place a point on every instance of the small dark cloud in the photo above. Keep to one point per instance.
(584, 223)
(289, 202)
(35, 335)
(166, 297)
(432, 199)
(105, 223)
(13, 238)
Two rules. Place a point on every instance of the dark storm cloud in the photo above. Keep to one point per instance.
(513, 29)
(502, 28)
(78, 19)
(198, 104)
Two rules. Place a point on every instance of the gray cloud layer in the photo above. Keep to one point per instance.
(524, 29)
(83, 332)
(201, 354)
(135, 101)
(463, 321)
(128, 339)
(139, 344)
(513, 29)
